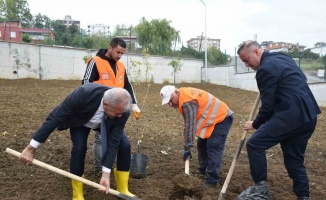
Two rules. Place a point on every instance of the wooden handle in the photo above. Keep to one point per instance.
(70, 175)
(236, 156)
(187, 166)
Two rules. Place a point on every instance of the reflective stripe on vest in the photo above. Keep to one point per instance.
(211, 110)
(106, 74)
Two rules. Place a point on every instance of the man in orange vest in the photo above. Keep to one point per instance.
(106, 69)
(209, 119)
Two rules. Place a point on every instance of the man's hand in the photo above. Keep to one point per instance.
(136, 111)
(105, 181)
(27, 155)
(248, 126)
(186, 154)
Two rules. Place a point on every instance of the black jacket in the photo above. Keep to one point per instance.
(76, 110)
(286, 99)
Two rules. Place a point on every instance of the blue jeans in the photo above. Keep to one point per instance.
(123, 156)
(293, 146)
(210, 151)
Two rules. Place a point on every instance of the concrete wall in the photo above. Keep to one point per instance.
(48, 62)
(246, 81)
(21, 60)
(226, 76)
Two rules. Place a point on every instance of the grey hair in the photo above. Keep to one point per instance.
(247, 45)
(115, 96)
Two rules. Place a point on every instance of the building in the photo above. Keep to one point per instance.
(199, 43)
(68, 21)
(12, 31)
(281, 46)
(98, 29)
(131, 42)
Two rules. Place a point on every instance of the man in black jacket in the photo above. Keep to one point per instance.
(287, 116)
(81, 111)
(106, 68)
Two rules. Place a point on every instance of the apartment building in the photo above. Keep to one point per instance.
(281, 46)
(68, 21)
(198, 43)
(98, 29)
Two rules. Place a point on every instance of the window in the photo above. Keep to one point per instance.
(12, 34)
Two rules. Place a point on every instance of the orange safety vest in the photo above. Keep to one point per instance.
(210, 112)
(106, 74)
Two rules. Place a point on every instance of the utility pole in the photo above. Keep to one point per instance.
(205, 44)
(129, 48)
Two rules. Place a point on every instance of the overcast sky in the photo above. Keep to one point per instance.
(232, 21)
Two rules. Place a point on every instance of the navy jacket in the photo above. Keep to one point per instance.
(286, 99)
(76, 110)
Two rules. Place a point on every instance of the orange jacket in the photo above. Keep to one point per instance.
(210, 112)
(106, 74)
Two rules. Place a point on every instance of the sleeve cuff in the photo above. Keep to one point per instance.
(34, 143)
(105, 169)
(255, 125)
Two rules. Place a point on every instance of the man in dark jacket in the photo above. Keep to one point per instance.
(106, 68)
(81, 111)
(287, 116)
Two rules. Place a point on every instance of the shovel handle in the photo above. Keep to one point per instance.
(70, 175)
(187, 166)
(237, 154)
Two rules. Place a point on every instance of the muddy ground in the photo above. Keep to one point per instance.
(25, 104)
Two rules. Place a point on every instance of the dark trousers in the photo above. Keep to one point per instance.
(210, 151)
(293, 146)
(79, 136)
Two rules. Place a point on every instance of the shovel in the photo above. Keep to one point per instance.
(72, 176)
(237, 154)
(138, 163)
(187, 166)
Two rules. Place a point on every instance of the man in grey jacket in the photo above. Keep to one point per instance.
(81, 111)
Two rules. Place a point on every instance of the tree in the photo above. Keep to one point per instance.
(26, 38)
(67, 36)
(320, 44)
(176, 65)
(148, 66)
(306, 54)
(156, 36)
(16, 10)
(41, 21)
(99, 41)
(122, 30)
(215, 56)
(324, 61)
(189, 52)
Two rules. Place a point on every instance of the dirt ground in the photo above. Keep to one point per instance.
(26, 103)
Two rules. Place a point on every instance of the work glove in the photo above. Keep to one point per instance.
(186, 154)
(136, 111)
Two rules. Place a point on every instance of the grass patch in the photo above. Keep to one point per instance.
(311, 64)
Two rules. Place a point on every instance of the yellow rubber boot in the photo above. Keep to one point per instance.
(122, 179)
(77, 190)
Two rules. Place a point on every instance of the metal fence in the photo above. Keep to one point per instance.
(313, 75)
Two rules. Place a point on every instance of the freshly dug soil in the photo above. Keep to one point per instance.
(26, 103)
